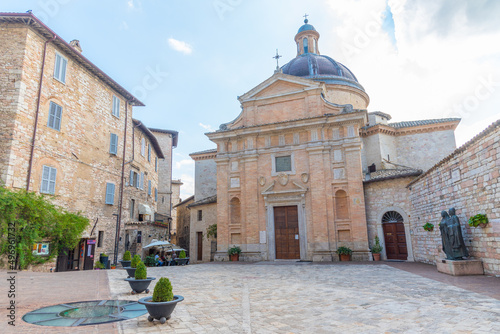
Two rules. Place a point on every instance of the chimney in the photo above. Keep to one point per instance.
(76, 45)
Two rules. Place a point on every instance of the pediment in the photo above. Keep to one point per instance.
(292, 188)
(278, 85)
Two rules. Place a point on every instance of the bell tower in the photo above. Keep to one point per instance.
(307, 39)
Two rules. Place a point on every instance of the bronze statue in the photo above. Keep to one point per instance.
(451, 236)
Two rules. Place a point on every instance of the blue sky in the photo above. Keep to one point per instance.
(189, 60)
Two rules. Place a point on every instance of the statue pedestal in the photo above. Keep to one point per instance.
(460, 267)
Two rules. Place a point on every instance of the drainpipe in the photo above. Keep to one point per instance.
(119, 218)
(30, 164)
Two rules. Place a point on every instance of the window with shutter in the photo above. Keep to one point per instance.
(149, 152)
(149, 187)
(110, 193)
(143, 146)
(142, 181)
(131, 181)
(156, 195)
(55, 113)
(113, 144)
(156, 164)
(48, 185)
(116, 107)
(60, 68)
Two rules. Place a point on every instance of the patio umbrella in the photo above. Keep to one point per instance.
(158, 244)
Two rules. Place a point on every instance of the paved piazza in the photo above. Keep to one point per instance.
(311, 298)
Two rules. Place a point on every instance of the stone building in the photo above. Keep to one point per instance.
(183, 222)
(204, 208)
(66, 130)
(176, 199)
(297, 168)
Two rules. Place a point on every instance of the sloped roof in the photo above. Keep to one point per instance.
(175, 134)
(151, 137)
(407, 124)
(207, 200)
(190, 198)
(212, 150)
(388, 174)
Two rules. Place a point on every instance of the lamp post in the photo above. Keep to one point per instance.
(115, 255)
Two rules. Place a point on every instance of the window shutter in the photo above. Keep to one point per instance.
(137, 180)
(131, 181)
(149, 152)
(156, 164)
(149, 187)
(110, 193)
(63, 70)
(52, 180)
(52, 112)
(113, 145)
(45, 180)
(57, 67)
(156, 195)
(57, 117)
(142, 181)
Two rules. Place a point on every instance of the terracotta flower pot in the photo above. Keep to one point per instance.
(235, 257)
(376, 256)
(345, 257)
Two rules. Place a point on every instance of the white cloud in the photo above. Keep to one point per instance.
(433, 72)
(185, 162)
(134, 4)
(180, 46)
(207, 127)
(187, 188)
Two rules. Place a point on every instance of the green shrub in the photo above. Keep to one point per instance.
(163, 291)
(428, 226)
(98, 265)
(104, 254)
(141, 272)
(342, 250)
(377, 248)
(234, 250)
(478, 219)
(126, 256)
(150, 261)
(135, 261)
(182, 254)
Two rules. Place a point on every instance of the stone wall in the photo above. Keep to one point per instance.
(467, 180)
(384, 196)
(205, 179)
(209, 217)
(183, 223)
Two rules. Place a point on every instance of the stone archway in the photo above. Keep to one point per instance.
(393, 219)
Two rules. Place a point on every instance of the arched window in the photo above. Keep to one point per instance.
(304, 42)
(341, 207)
(315, 46)
(392, 217)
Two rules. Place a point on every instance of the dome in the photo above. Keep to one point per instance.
(306, 26)
(321, 68)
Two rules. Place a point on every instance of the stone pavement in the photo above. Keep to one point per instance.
(282, 297)
(295, 297)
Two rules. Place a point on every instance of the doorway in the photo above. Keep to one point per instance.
(394, 236)
(286, 229)
(200, 245)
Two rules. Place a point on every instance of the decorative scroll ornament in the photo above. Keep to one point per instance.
(262, 181)
(304, 177)
(283, 179)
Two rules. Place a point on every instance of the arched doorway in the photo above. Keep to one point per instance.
(394, 236)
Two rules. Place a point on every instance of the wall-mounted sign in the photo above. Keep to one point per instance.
(41, 249)
(91, 242)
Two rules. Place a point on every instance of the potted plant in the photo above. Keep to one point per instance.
(127, 259)
(103, 258)
(150, 261)
(344, 253)
(428, 227)
(98, 265)
(182, 260)
(376, 249)
(141, 280)
(478, 220)
(161, 305)
(234, 253)
(133, 265)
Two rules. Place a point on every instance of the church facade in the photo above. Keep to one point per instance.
(293, 167)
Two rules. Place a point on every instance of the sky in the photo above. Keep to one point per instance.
(188, 60)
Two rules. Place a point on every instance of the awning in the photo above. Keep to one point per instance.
(145, 210)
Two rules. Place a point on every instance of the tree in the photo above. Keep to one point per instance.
(26, 219)
(212, 231)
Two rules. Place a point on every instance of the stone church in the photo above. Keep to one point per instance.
(304, 168)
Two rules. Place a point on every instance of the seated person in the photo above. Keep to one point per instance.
(158, 260)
